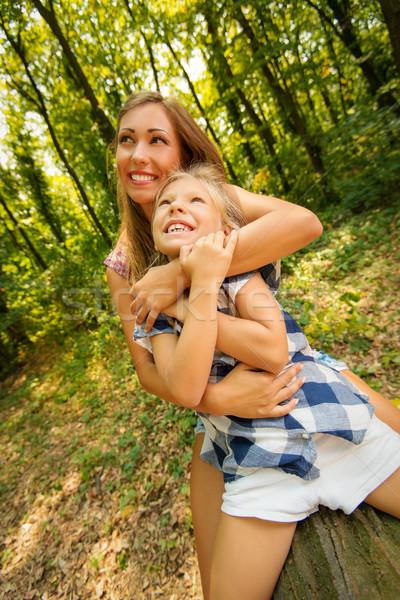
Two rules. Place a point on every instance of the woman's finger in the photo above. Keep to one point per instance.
(286, 377)
(285, 409)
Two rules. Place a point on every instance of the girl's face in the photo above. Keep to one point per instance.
(148, 150)
(184, 213)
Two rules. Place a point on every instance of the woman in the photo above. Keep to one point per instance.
(155, 136)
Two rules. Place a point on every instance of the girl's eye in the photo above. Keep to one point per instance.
(163, 203)
(196, 199)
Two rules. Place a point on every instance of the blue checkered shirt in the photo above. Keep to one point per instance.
(328, 403)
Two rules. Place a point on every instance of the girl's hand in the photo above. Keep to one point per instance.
(208, 260)
(252, 394)
(159, 288)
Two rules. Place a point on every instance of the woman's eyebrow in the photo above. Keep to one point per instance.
(152, 130)
(157, 129)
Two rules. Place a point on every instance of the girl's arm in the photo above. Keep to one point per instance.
(184, 363)
(244, 392)
(259, 336)
(276, 228)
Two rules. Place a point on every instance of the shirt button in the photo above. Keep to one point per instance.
(305, 436)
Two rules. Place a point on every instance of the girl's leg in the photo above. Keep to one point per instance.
(206, 489)
(386, 497)
(384, 410)
(248, 557)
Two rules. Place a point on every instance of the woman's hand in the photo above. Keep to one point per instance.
(252, 394)
(159, 288)
(178, 309)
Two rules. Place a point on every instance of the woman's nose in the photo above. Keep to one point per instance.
(139, 154)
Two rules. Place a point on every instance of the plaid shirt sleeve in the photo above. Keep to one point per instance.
(117, 260)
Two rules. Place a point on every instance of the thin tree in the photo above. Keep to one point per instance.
(40, 106)
(391, 13)
(99, 115)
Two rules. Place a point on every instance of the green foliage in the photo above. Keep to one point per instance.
(295, 109)
(343, 290)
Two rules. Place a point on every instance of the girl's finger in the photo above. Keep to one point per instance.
(231, 241)
(184, 252)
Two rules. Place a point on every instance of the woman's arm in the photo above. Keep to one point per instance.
(276, 228)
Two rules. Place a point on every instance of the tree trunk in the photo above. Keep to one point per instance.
(209, 127)
(38, 185)
(285, 100)
(220, 69)
(348, 36)
(391, 13)
(343, 557)
(99, 116)
(41, 107)
(147, 44)
(38, 257)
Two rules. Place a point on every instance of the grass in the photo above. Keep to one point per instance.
(94, 471)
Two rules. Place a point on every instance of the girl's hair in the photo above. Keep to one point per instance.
(214, 183)
(195, 146)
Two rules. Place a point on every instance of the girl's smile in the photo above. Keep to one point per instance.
(184, 213)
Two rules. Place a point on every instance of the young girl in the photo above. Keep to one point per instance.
(329, 450)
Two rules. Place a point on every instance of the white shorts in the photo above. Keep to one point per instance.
(349, 473)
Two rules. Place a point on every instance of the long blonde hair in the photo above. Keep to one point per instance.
(195, 146)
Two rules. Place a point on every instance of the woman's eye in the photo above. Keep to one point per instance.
(124, 139)
(158, 140)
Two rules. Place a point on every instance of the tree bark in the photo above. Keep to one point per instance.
(41, 107)
(284, 98)
(37, 256)
(343, 557)
(99, 115)
(391, 13)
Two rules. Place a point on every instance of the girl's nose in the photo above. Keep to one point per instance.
(176, 207)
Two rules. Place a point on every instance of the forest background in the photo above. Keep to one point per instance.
(301, 98)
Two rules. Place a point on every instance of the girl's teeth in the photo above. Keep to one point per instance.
(177, 227)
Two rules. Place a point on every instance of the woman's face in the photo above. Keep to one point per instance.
(148, 150)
